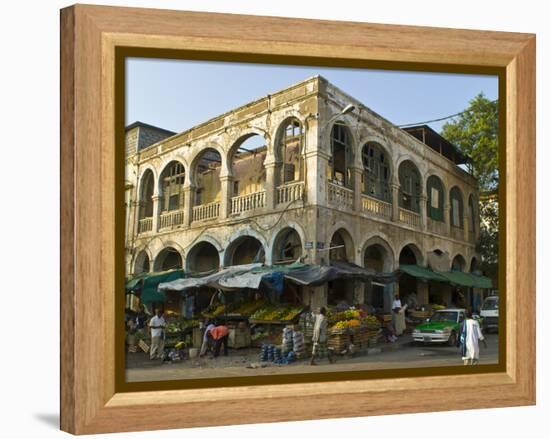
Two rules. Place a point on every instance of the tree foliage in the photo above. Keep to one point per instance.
(475, 133)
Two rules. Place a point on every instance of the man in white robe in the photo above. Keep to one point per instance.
(471, 335)
(398, 316)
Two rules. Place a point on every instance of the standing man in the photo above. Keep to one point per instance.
(320, 330)
(398, 316)
(470, 336)
(220, 335)
(156, 327)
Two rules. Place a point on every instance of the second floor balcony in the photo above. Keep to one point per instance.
(254, 184)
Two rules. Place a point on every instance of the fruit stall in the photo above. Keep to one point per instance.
(352, 327)
(269, 321)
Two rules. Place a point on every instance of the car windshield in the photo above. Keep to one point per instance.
(490, 304)
(444, 316)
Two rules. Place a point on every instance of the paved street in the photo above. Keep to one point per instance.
(407, 355)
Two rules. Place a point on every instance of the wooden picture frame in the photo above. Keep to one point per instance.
(90, 37)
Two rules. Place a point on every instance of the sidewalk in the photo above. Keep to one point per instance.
(403, 341)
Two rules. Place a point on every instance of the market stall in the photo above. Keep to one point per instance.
(142, 297)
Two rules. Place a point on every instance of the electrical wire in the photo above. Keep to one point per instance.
(439, 119)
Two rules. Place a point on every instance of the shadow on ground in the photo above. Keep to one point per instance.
(50, 419)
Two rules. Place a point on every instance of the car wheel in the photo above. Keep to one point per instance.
(452, 339)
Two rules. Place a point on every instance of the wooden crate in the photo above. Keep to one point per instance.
(239, 338)
(338, 342)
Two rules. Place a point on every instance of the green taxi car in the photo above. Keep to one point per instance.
(442, 327)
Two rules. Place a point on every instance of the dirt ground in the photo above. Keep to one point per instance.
(404, 354)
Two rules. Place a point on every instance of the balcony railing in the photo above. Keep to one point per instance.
(376, 206)
(457, 233)
(340, 196)
(408, 217)
(437, 227)
(244, 203)
(290, 192)
(171, 219)
(145, 225)
(206, 211)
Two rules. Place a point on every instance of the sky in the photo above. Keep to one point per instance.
(177, 95)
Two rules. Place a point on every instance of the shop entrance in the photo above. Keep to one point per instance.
(374, 259)
(341, 292)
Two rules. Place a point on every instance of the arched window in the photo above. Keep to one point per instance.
(340, 139)
(207, 177)
(172, 180)
(168, 259)
(244, 250)
(287, 246)
(458, 264)
(341, 246)
(146, 195)
(376, 175)
(247, 157)
(142, 263)
(457, 208)
(203, 257)
(290, 152)
(436, 198)
(409, 187)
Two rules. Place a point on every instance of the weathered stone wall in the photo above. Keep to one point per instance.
(317, 105)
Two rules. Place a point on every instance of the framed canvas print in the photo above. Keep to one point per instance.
(273, 219)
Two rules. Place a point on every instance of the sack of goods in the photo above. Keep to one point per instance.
(287, 339)
(299, 346)
(266, 353)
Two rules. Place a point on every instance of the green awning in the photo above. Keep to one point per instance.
(134, 282)
(422, 273)
(468, 280)
(151, 281)
(459, 278)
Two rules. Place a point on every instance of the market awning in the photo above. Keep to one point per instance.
(422, 273)
(236, 277)
(318, 274)
(459, 278)
(468, 280)
(218, 279)
(134, 283)
(151, 281)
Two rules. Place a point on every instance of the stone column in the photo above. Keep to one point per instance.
(422, 293)
(357, 188)
(270, 185)
(318, 296)
(226, 194)
(447, 216)
(423, 212)
(395, 202)
(359, 292)
(133, 220)
(156, 211)
(466, 222)
(188, 202)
